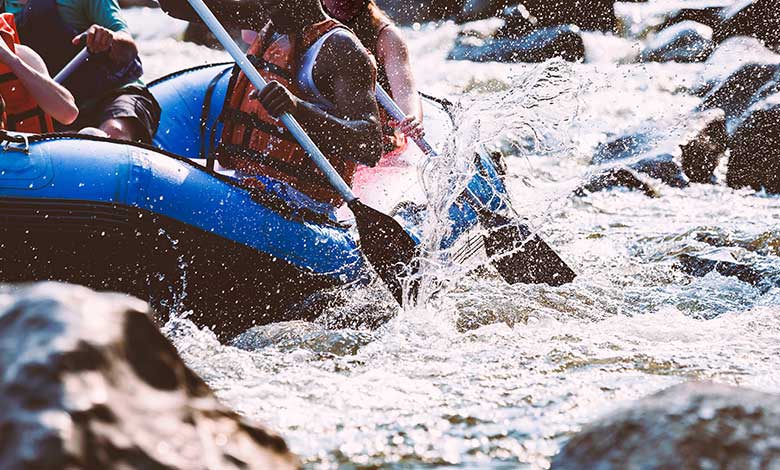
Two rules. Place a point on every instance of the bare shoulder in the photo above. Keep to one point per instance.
(31, 58)
(392, 43)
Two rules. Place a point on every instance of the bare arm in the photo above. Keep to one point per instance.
(53, 98)
(344, 73)
(394, 54)
(246, 14)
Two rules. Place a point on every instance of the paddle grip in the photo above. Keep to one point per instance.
(75, 63)
(396, 113)
(257, 80)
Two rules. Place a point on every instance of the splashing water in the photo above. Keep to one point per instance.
(487, 375)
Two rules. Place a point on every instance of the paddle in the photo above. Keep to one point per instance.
(74, 63)
(517, 254)
(385, 244)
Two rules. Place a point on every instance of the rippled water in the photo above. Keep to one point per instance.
(488, 375)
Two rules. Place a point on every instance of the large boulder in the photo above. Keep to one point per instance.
(756, 18)
(88, 381)
(413, 11)
(694, 425)
(755, 148)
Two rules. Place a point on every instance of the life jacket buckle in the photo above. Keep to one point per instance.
(16, 143)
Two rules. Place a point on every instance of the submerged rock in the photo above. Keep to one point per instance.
(687, 41)
(694, 425)
(755, 148)
(89, 382)
(700, 149)
(538, 46)
(700, 266)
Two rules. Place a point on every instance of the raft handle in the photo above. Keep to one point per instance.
(10, 139)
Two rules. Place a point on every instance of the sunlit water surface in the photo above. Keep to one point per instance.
(487, 375)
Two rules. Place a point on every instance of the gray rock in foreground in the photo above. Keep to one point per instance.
(690, 426)
(89, 382)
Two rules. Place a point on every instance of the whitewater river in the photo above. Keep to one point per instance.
(492, 376)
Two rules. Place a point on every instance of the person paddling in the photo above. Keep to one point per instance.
(28, 96)
(319, 73)
(113, 102)
(378, 33)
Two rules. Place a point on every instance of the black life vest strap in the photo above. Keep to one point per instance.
(236, 116)
(260, 63)
(15, 119)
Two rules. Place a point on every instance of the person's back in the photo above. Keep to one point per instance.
(378, 33)
(318, 72)
(106, 88)
(30, 98)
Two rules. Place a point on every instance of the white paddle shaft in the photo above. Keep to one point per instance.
(257, 80)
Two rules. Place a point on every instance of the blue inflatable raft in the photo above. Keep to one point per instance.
(156, 222)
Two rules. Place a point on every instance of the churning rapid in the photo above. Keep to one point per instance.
(487, 375)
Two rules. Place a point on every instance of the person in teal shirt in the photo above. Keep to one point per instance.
(111, 99)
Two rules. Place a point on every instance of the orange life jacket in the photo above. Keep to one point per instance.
(255, 142)
(21, 110)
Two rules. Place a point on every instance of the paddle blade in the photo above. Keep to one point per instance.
(521, 257)
(386, 246)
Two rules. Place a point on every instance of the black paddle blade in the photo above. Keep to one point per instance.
(520, 257)
(386, 245)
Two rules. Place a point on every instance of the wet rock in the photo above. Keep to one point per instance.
(89, 382)
(756, 18)
(755, 148)
(701, 154)
(687, 41)
(693, 425)
(616, 178)
(589, 15)
(700, 148)
(540, 45)
(640, 19)
(735, 94)
(700, 266)
(411, 11)
(290, 336)
(706, 14)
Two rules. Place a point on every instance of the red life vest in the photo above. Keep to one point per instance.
(22, 113)
(255, 142)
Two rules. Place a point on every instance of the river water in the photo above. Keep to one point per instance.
(487, 375)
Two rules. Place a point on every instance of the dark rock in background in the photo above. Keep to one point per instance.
(706, 15)
(700, 148)
(406, 12)
(197, 33)
(88, 381)
(735, 94)
(701, 154)
(538, 46)
(589, 15)
(755, 148)
(683, 42)
(694, 425)
(756, 18)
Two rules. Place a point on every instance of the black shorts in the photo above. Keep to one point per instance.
(133, 102)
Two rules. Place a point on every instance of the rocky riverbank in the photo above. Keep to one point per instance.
(88, 381)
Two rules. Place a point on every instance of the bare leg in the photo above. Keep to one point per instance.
(123, 129)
